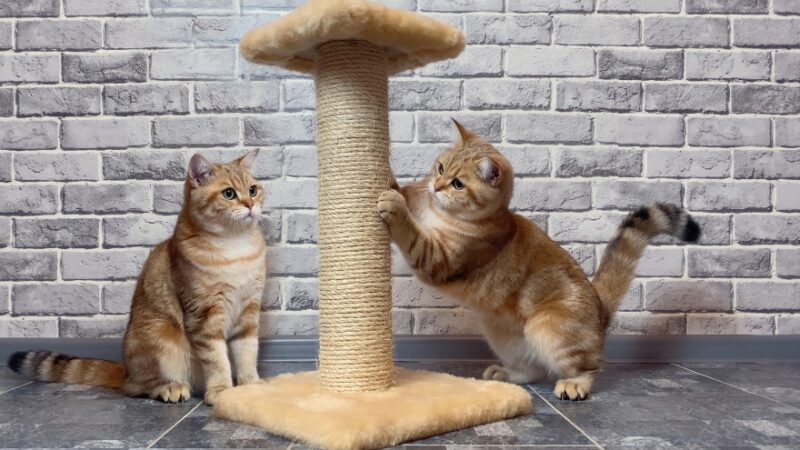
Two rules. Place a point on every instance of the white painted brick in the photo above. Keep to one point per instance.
(105, 8)
(411, 293)
(476, 60)
(460, 5)
(299, 95)
(424, 95)
(527, 160)
(301, 161)
(549, 61)
(292, 193)
(135, 231)
(28, 198)
(438, 127)
(766, 164)
(584, 255)
(6, 35)
(727, 65)
(148, 33)
(55, 299)
(5, 166)
(267, 164)
(786, 7)
(92, 327)
(58, 101)
(105, 198)
(105, 133)
(117, 297)
(729, 324)
(217, 30)
(550, 5)
(29, 8)
(62, 34)
(445, 321)
(787, 66)
(728, 131)
(507, 29)
(727, 6)
(147, 164)
(28, 327)
(56, 232)
(203, 131)
(293, 260)
(103, 265)
(192, 7)
(193, 64)
(6, 102)
(685, 97)
(727, 196)
(639, 64)
(414, 160)
(680, 295)
(129, 99)
(633, 6)
(787, 323)
(507, 94)
(596, 30)
(598, 96)
(30, 67)
(257, 96)
(787, 196)
(301, 294)
(549, 195)
(763, 32)
(685, 32)
(767, 229)
(279, 129)
(167, 199)
(548, 128)
(592, 226)
(645, 323)
(729, 262)
(56, 167)
(598, 161)
(28, 266)
(753, 296)
(401, 126)
(301, 228)
(288, 323)
(688, 163)
(272, 295)
(117, 67)
(652, 129)
(612, 194)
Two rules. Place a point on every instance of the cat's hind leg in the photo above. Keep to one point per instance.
(517, 357)
(528, 374)
(157, 362)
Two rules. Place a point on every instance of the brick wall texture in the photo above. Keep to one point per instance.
(601, 105)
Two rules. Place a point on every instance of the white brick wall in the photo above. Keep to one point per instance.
(601, 105)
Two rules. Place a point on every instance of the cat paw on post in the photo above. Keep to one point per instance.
(392, 207)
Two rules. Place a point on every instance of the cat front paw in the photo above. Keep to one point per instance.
(392, 207)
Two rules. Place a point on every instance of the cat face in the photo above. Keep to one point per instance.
(471, 179)
(224, 196)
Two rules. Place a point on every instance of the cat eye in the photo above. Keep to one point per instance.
(441, 169)
(229, 194)
(253, 191)
(457, 184)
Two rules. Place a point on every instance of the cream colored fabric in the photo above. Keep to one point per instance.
(421, 404)
(413, 40)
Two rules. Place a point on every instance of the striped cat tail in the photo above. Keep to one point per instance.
(618, 265)
(57, 368)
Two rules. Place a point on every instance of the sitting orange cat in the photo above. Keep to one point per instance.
(540, 314)
(198, 297)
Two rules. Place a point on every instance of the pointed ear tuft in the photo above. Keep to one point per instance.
(489, 171)
(200, 170)
(247, 160)
(463, 132)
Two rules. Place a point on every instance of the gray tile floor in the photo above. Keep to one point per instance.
(642, 406)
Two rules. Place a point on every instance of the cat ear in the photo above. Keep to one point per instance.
(247, 160)
(200, 170)
(489, 171)
(463, 132)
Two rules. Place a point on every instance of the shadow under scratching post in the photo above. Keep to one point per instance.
(357, 399)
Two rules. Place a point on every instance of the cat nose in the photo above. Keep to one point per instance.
(249, 202)
(438, 187)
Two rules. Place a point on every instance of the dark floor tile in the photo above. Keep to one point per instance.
(778, 381)
(655, 406)
(58, 415)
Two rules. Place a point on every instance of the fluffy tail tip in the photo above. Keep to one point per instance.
(15, 361)
(691, 232)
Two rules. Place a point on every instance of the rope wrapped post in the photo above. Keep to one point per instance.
(355, 294)
(357, 399)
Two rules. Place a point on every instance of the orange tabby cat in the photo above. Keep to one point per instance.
(539, 312)
(197, 299)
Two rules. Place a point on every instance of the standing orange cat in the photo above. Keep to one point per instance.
(197, 299)
(539, 312)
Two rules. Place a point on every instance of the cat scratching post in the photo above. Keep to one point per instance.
(357, 399)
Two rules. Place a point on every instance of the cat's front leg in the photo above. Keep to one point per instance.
(393, 209)
(244, 345)
(207, 332)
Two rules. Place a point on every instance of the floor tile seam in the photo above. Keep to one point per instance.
(573, 424)
(16, 387)
(165, 432)
(732, 385)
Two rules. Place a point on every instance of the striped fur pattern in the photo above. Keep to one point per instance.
(540, 314)
(194, 317)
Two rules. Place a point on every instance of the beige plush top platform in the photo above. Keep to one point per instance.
(413, 40)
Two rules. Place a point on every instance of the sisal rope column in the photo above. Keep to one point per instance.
(355, 294)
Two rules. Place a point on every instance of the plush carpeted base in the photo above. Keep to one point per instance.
(421, 404)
